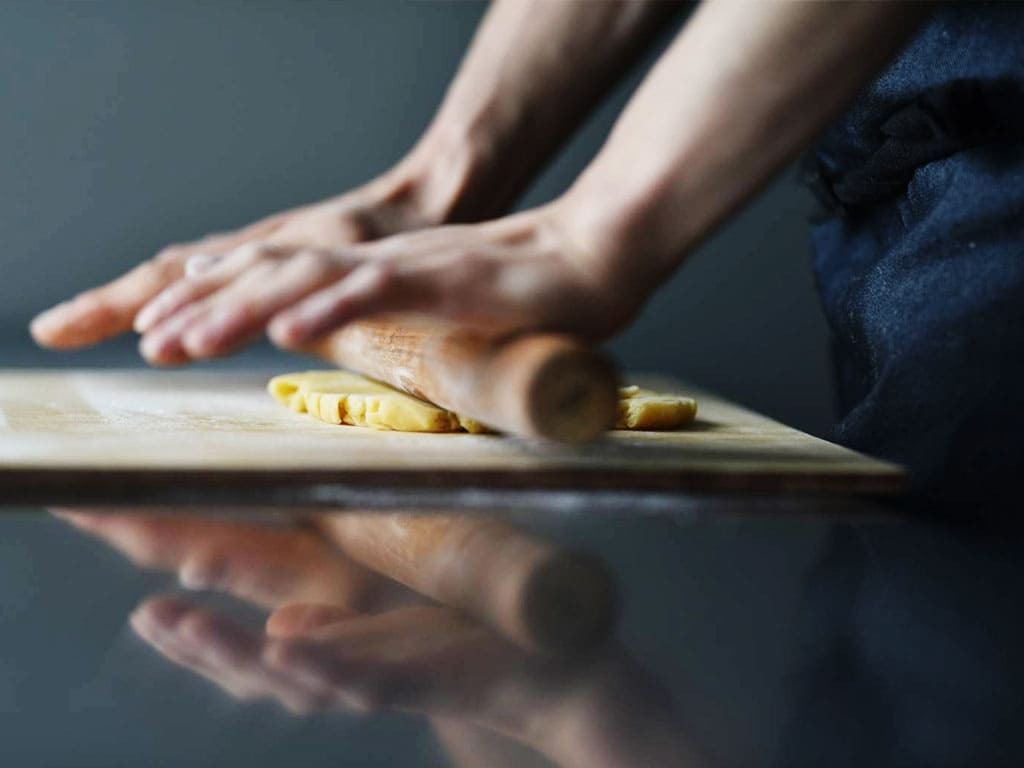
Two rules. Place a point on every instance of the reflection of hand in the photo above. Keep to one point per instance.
(320, 648)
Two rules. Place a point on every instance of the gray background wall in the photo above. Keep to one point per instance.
(125, 126)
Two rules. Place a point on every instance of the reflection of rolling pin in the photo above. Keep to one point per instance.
(534, 385)
(539, 596)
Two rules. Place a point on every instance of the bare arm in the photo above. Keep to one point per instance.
(534, 70)
(532, 73)
(743, 89)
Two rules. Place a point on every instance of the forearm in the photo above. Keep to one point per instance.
(743, 88)
(533, 72)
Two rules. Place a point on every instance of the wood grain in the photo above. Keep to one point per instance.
(166, 437)
(534, 385)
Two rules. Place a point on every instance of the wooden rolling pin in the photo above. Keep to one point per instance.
(534, 385)
(541, 597)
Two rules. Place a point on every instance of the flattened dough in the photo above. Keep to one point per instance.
(643, 409)
(339, 397)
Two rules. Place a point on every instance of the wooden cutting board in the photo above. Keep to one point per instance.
(151, 437)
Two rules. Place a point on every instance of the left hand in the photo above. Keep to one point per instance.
(524, 271)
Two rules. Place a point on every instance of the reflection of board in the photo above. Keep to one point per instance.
(157, 437)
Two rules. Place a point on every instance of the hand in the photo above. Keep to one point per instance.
(532, 74)
(319, 651)
(521, 272)
(408, 197)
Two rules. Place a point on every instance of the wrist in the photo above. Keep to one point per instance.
(447, 178)
(615, 248)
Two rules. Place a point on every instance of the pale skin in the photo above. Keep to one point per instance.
(741, 90)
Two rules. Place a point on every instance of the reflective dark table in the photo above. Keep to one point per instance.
(144, 637)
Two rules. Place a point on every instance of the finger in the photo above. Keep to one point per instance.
(263, 565)
(221, 651)
(299, 619)
(105, 311)
(200, 263)
(372, 288)
(220, 271)
(163, 345)
(241, 310)
(173, 298)
(110, 309)
(410, 658)
(156, 622)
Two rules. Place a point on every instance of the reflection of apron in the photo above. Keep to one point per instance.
(914, 650)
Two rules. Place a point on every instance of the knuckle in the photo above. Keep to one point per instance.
(249, 254)
(171, 254)
(359, 226)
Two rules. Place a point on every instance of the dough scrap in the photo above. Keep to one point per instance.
(339, 397)
(643, 409)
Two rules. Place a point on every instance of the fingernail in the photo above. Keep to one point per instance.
(205, 338)
(150, 346)
(147, 316)
(285, 331)
(201, 262)
(43, 318)
(142, 624)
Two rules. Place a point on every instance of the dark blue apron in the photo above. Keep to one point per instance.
(915, 632)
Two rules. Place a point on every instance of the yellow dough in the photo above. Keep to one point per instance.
(339, 397)
(643, 409)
